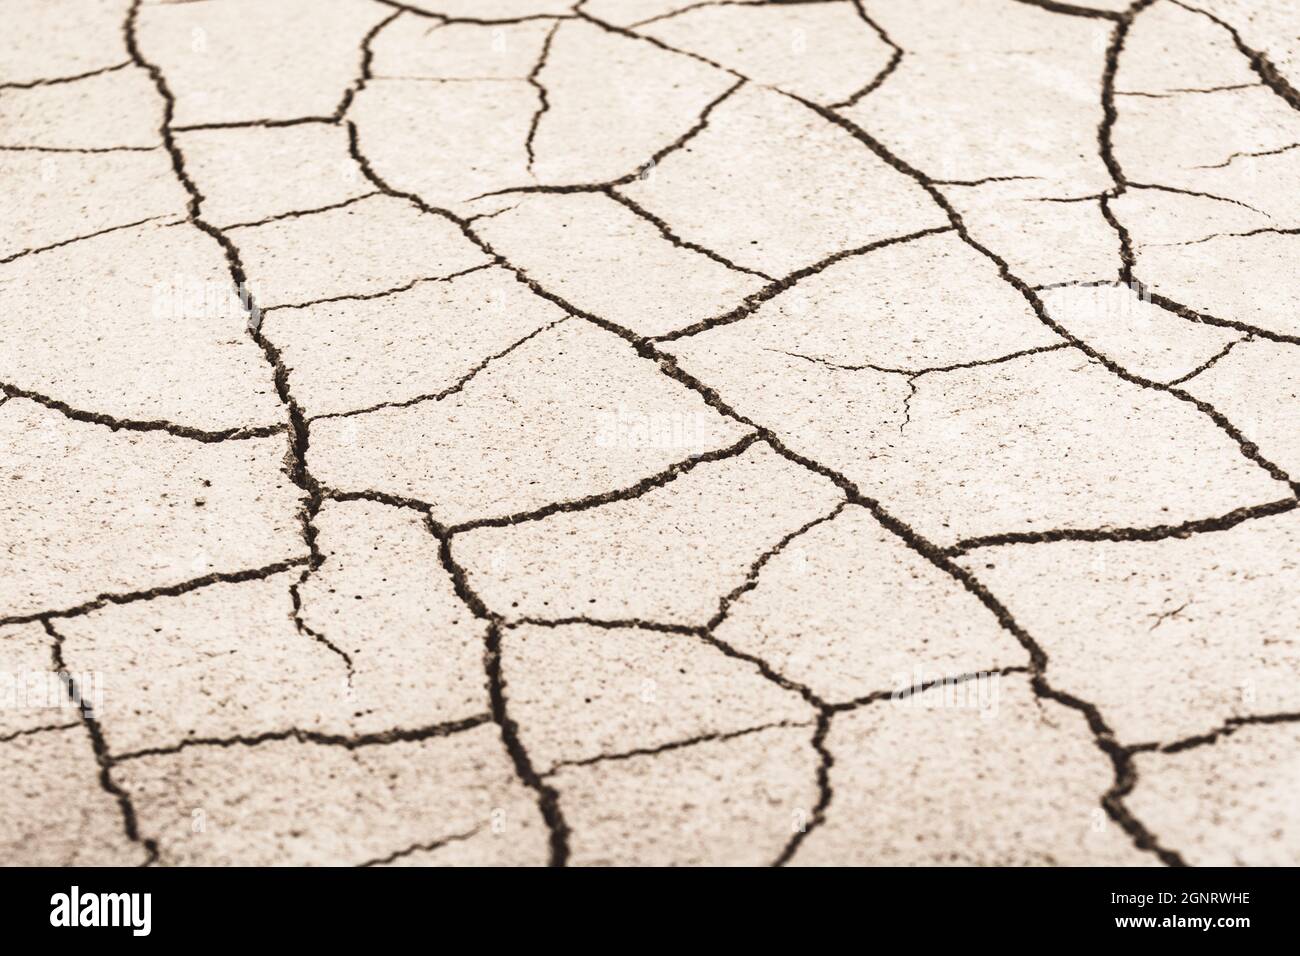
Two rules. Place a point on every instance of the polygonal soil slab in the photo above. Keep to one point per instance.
(827, 52)
(1168, 638)
(667, 556)
(772, 186)
(220, 661)
(578, 245)
(422, 343)
(92, 511)
(32, 695)
(369, 247)
(43, 45)
(895, 764)
(732, 802)
(264, 804)
(1226, 803)
(144, 316)
(293, 59)
(581, 693)
(571, 412)
(57, 811)
(849, 609)
(382, 597)
(58, 198)
(251, 173)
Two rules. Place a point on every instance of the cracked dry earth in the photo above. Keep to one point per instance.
(650, 432)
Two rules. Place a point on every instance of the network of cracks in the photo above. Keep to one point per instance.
(650, 432)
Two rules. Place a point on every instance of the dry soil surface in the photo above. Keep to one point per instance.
(649, 432)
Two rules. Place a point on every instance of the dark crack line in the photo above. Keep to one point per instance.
(1110, 116)
(979, 182)
(1173, 93)
(607, 624)
(1125, 775)
(137, 425)
(422, 847)
(709, 636)
(541, 189)
(166, 590)
(1105, 145)
(646, 38)
(700, 124)
(378, 497)
(1079, 284)
(1163, 616)
(299, 213)
(673, 745)
(445, 19)
(544, 102)
(666, 231)
(31, 731)
(825, 760)
(295, 596)
(1265, 230)
(1072, 10)
(606, 188)
(67, 242)
(1090, 197)
(452, 389)
(1186, 529)
(641, 172)
(130, 823)
(378, 739)
(895, 58)
(364, 71)
(756, 568)
(1194, 192)
(1229, 727)
(491, 215)
(914, 373)
(548, 800)
(1251, 155)
(669, 474)
(31, 84)
(366, 296)
(1260, 63)
(79, 149)
(1210, 363)
(364, 75)
(1127, 257)
(1204, 318)
(903, 693)
(823, 710)
(907, 404)
(1124, 770)
(263, 123)
(752, 302)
